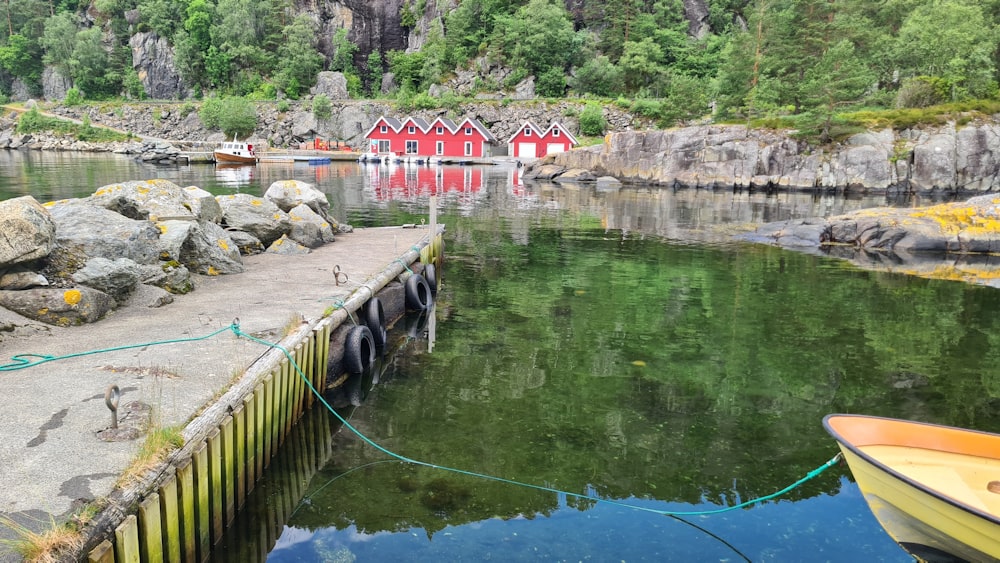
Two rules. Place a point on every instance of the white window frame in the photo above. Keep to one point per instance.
(468, 130)
(439, 148)
(468, 148)
(440, 130)
(527, 131)
(383, 129)
(383, 145)
(411, 130)
(411, 147)
(555, 132)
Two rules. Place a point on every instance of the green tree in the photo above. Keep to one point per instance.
(342, 59)
(592, 120)
(374, 73)
(232, 114)
(297, 56)
(89, 66)
(538, 37)
(322, 108)
(642, 65)
(598, 76)
(20, 57)
(953, 40)
(59, 41)
(837, 78)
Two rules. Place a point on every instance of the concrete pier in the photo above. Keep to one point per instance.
(205, 381)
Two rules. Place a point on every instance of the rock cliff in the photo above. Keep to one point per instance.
(946, 158)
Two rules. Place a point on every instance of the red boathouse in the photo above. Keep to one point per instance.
(531, 142)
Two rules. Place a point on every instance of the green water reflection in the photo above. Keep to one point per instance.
(695, 376)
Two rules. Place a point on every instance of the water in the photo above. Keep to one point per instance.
(614, 344)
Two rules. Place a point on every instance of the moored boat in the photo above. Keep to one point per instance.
(935, 489)
(236, 152)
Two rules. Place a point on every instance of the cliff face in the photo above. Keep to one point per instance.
(945, 158)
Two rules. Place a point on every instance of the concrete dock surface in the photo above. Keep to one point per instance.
(52, 457)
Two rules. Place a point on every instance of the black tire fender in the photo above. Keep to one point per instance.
(430, 274)
(359, 349)
(418, 293)
(374, 319)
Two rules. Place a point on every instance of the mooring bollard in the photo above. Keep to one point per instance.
(111, 397)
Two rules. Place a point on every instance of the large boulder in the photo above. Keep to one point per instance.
(208, 250)
(156, 200)
(27, 231)
(308, 228)
(85, 231)
(59, 306)
(332, 84)
(288, 194)
(117, 278)
(258, 216)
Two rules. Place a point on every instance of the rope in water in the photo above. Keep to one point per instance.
(21, 361)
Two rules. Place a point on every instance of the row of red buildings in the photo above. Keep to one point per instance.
(443, 138)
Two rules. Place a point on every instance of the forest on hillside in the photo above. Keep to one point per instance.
(743, 59)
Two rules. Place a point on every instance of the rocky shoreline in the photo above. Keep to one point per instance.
(950, 158)
(138, 243)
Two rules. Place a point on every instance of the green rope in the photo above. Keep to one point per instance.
(24, 361)
(405, 265)
(812, 474)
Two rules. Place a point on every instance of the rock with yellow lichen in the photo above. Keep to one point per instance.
(59, 306)
(967, 227)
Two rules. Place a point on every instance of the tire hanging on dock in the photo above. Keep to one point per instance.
(418, 293)
(374, 319)
(359, 349)
(430, 274)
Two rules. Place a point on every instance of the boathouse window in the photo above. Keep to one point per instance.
(383, 145)
(411, 130)
(527, 131)
(440, 130)
(468, 130)
(411, 147)
(555, 132)
(439, 147)
(383, 129)
(468, 148)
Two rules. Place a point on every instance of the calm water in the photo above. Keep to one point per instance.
(614, 344)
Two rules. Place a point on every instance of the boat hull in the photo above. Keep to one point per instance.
(234, 158)
(930, 509)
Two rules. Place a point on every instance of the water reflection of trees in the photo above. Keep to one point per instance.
(590, 361)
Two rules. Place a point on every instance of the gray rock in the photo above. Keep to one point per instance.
(288, 194)
(209, 250)
(21, 278)
(308, 228)
(156, 200)
(117, 278)
(54, 84)
(245, 242)
(59, 306)
(169, 276)
(153, 59)
(85, 231)
(576, 175)
(27, 231)
(258, 216)
(332, 84)
(150, 297)
(287, 246)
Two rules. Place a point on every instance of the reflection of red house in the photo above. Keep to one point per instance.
(531, 142)
(408, 183)
(442, 138)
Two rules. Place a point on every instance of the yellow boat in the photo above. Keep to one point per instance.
(935, 489)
